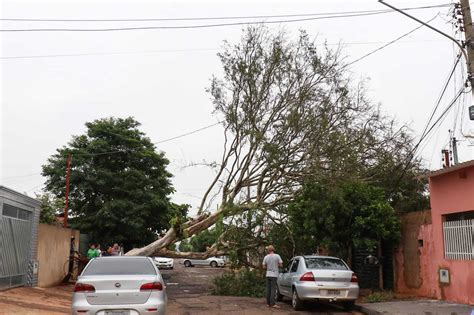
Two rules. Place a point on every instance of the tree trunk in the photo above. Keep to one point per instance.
(349, 256)
(191, 227)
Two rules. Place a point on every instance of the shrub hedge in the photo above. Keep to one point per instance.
(244, 282)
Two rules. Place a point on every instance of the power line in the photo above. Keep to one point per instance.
(219, 18)
(179, 26)
(435, 124)
(412, 152)
(37, 186)
(198, 26)
(425, 132)
(448, 108)
(189, 133)
(440, 97)
(109, 53)
(158, 142)
(389, 43)
(183, 50)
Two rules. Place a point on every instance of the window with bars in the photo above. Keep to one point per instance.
(458, 231)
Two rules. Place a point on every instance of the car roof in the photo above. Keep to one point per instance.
(318, 256)
(122, 257)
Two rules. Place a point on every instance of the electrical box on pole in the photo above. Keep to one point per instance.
(471, 112)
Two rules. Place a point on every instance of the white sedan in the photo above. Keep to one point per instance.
(120, 285)
(214, 262)
(164, 262)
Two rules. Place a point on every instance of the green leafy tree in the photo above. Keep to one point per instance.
(340, 216)
(50, 207)
(119, 185)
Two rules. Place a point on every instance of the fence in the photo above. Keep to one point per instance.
(459, 239)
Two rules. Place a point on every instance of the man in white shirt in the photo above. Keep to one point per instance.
(271, 263)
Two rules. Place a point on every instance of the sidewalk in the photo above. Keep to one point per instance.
(422, 307)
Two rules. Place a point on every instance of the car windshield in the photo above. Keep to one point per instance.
(325, 263)
(119, 266)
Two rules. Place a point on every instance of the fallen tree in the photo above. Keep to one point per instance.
(288, 111)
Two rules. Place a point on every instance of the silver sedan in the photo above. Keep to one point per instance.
(120, 286)
(318, 278)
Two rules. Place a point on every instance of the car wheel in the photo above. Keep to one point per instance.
(349, 305)
(187, 263)
(279, 297)
(214, 264)
(296, 302)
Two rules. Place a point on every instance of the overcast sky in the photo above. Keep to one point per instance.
(160, 76)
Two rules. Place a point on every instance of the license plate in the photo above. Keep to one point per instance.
(334, 292)
(118, 312)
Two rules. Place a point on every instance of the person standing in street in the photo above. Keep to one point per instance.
(92, 252)
(116, 250)
(271, 263)
(108, 252)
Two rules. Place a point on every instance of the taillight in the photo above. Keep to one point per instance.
(307, 277)
(152, 286)
(84, 287)
(354, 278)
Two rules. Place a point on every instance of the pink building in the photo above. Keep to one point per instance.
(436, 255)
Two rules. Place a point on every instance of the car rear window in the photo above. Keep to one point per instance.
(119, 266)
(325, 263)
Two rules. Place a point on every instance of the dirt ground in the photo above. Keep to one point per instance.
(188, 292)
(52, 301)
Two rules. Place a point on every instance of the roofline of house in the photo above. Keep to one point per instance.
(453, 168)
(20, 195)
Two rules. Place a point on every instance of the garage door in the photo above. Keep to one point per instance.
(15, 237)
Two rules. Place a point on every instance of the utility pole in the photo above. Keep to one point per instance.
(455, 151)
(465, 12)
(467, 47)
(469, 37)
(68, 176)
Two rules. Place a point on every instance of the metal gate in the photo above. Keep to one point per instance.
(15, 239)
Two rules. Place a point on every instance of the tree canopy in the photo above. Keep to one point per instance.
(291, 112)
(340, 216)
(119, 184)
(50, 207)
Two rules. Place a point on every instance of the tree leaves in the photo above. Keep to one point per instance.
(119, 184)
(342, 215)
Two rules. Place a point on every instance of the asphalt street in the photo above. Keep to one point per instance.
(189, 292)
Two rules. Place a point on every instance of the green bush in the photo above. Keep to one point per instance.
(244, 282)
(379, 297)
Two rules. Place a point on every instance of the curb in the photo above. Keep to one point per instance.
(366, 310)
